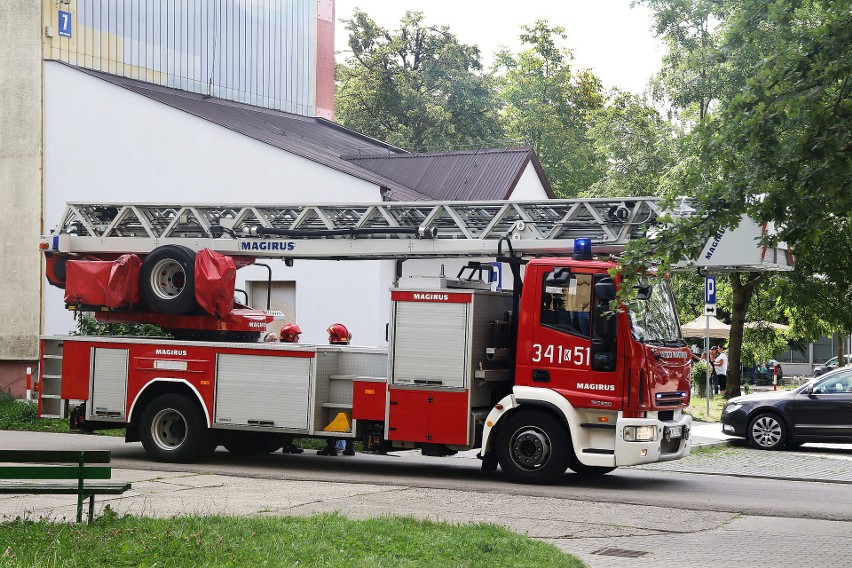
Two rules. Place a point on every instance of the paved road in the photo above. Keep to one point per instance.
(717, 510)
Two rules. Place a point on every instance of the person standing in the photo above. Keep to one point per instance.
(720, 365)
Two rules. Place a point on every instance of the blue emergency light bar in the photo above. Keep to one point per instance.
(582, 249)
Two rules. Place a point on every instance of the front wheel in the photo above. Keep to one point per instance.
(174, 429)
(533, 447)
(767, 432)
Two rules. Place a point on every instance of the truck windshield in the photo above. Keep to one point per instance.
(654, 320)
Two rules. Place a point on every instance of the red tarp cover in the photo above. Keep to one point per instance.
(215, 276)
(114, 284)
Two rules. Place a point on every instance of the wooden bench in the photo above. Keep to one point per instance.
(73, 465)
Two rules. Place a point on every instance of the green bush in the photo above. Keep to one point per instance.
(699, 377)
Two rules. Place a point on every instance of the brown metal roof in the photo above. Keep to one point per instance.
(468, 176)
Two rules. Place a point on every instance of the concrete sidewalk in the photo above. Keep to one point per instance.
(602, 534)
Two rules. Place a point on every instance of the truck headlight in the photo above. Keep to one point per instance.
(732, 407)
(640, 433)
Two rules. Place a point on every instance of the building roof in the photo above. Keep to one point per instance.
(464, 176)
(479, 175)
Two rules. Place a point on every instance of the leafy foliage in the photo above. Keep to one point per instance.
(87, 325)
(776, 142)
(637, 144)
(549, 104)
(16, 414)
(417, 87)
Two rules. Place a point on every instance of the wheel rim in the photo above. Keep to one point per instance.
(167, 279)
(530, 448)
(766, 431)
(168, 429)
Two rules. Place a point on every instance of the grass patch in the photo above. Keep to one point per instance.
(17, 414)
(320, 540)
(698, 408)
(713, 451)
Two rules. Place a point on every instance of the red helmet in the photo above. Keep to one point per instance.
(290, 333)
(337, 333)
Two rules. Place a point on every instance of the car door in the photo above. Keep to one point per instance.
(561, 348)
(825, 411)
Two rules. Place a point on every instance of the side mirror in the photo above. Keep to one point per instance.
(605, 290)
(558, 277)
(810, 391)
(643, 291)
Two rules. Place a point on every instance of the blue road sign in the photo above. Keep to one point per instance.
(64, 23)
(710, 290)
(497, 276)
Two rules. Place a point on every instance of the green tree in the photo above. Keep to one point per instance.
(549, 104)
(775, 141)
(637, 145)
(416, 87)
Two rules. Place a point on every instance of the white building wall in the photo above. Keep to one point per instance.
(529, 187)
(106, 143)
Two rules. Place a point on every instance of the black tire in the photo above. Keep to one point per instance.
(767, 431)
(253, 443)
(533, 447)
(167, 280)
(173, 429)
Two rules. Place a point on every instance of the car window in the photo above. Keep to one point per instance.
(834, 384)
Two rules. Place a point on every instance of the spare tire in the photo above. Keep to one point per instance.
(167, 280)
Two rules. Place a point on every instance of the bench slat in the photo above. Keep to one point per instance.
(55, 456)
(56, 489)
(53, 472)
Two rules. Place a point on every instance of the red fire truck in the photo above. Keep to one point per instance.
(541, 378)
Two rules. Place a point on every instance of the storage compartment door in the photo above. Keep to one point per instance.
(263, 391)
(109, 385)
(430, 344)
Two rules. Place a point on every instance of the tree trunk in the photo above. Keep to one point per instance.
(841, 357)
(743, 291)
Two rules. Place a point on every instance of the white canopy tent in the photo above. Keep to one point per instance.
(698, 328)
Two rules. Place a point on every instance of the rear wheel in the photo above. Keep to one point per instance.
(533, 447)
(767, 432)
(253, 443)
(173, 429)
(167, 280)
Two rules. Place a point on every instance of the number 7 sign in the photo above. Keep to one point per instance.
(64, 23)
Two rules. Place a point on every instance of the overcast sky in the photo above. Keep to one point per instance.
(608, 36)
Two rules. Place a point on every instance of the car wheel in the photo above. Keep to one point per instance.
(767, 432)
(167, 280)
(174, 429)
(532, 447)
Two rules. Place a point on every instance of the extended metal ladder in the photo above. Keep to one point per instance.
(387, 230)
(367, 230)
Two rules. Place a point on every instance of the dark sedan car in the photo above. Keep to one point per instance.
(819, 411)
